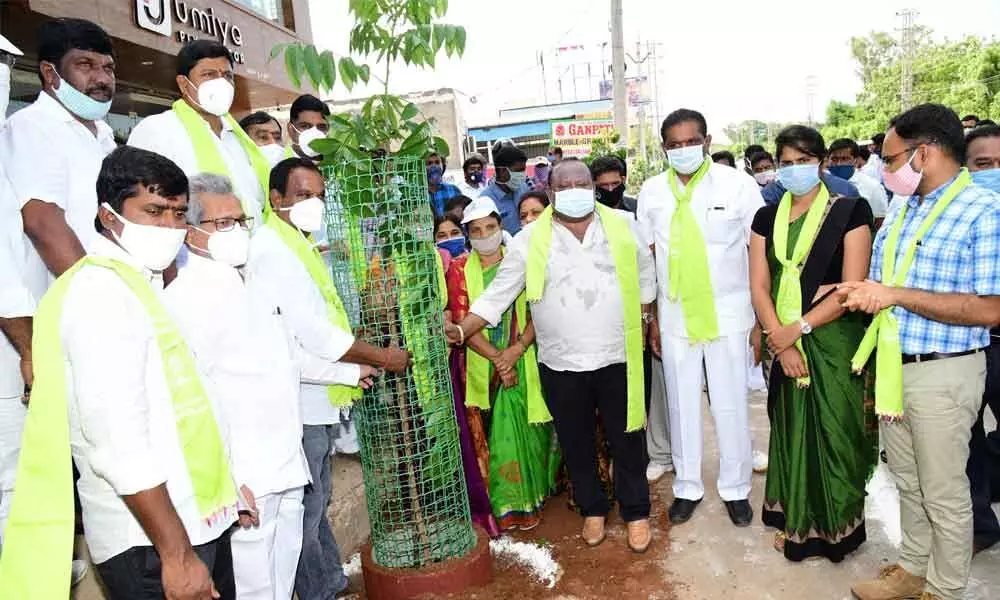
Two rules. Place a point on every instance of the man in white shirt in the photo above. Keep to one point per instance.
(278, 276)
(474, 176)
(873, 168)
(52, 150)
(243, 348)
(845, 162)
(705, 315)
(583, 368)
(205, 80)
(306, 123)
(146, 529)
(265, 131)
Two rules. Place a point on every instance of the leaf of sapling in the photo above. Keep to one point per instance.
(441, 146)
(409, 112)
(312, 63)
(293, 64)
(329, 65)
(276, 50)
(347, 76)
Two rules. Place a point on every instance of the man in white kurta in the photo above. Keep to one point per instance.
(205, 78)
(724, 203)
(244, 350)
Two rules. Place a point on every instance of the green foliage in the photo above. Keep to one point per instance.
(387, 31)
(963, 74)
(605, 144)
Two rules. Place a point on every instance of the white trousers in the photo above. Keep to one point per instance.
(12, 413)
(265, 558)
(725, 362)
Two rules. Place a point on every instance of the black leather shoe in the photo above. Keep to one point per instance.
(740, 512)
(681, 510)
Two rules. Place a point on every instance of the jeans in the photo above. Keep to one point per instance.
(320, 575)
(135, 574)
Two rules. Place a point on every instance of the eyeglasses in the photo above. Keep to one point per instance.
(227, 224)
(891, 158)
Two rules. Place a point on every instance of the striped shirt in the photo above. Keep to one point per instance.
(959, 254)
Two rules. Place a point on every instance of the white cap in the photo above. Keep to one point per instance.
(482, 206)
(9, 48)
(540, 160)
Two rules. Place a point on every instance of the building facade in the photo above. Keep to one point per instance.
(147, 35)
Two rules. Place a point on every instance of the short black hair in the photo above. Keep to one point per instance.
(457, 201)
(197, 50)
(537, 195)
(756, 157)
(444, 161)
(752, 149)
(932, 124)
(864, 153)
(508, 156)
(804, 139)
(983, 131)
(725, 155)
(127, 169)
(281, 171)
(307, 102)
(474, 159)
(847, 143)
(57, 37)
(557, 150)
(256, 118)
(970, 118)
(878, 139)
(681, 115)
(986, 122)
(438, 219)
(608, 164)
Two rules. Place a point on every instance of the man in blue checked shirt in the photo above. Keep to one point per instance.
(948, 300)
(438, 190)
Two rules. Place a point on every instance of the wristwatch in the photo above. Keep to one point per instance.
(806, 327)
(647, 318)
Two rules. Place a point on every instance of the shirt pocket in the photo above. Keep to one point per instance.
(722, 226)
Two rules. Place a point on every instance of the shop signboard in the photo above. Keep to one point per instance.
(575, 136)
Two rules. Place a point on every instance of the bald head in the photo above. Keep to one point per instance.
(571, 173)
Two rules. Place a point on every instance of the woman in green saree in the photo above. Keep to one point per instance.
(823, 444)
(517, 460)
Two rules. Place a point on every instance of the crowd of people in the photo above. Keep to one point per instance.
(171, 320)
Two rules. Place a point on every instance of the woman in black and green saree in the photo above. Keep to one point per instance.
(823, 442)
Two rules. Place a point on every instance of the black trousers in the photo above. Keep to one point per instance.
(984, 460)
(574, 400)
(135, 573)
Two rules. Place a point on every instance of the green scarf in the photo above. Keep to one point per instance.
(340, 395)
(477, 367)
(38, 542)
(789, 301)
(624, 253)
(207, 155)
(690, 277)
(884, 330)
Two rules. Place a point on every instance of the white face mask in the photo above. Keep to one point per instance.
(228, 247)
(272, 152)
(765, 177)
(307, 137)
(488, 245)
(686, 160)
(215, 96)
(307, 214)
(154, 247)
(4, 91)
(574, 203)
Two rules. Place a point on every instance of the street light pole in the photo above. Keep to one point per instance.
(618, 71)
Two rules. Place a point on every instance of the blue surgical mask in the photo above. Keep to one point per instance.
(476, 177)
(989, 179)
(575, 203)
(517, 179)
(686, 160)
(798, 179)
(434, 173)
(843, 171)
(454, 246)
(80, 104)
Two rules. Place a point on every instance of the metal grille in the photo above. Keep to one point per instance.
(384, 263)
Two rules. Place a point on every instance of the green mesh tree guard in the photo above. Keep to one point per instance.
(384, 263)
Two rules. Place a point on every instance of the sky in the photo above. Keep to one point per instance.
(732, 60)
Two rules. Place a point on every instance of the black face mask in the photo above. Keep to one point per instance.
(611, 198)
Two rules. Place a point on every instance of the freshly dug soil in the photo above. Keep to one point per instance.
(610, 570)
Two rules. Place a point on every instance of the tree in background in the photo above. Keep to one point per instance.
(963, 74)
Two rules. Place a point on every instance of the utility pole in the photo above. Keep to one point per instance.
(618, 71)
(810, 96)
(545, 82)
(909, 18)
(641, 105)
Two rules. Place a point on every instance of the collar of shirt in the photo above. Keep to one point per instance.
(102, 246)
(211, 268)
(58, 112)
(915, 200)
